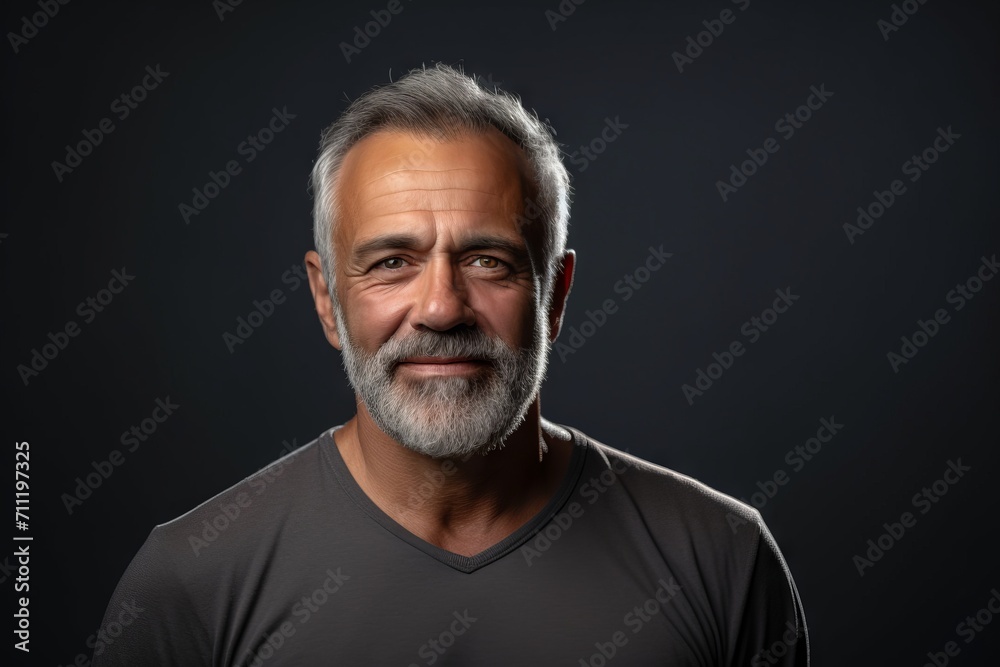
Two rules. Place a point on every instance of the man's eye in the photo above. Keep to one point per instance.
(490, 262)
(391, 263)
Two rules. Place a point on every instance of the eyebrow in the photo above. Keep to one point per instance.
(408, 241)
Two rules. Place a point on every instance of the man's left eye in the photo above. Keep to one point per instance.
(491, 262)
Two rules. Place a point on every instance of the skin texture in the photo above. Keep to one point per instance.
(473, 186)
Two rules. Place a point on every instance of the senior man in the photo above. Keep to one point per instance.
(447, 522)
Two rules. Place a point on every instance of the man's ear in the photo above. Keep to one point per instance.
(321, 297)
(560, 292)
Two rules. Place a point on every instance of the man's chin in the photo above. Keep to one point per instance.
(447, 415)
(425, 434)
(437, 452)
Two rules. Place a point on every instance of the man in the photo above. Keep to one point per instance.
(447, 522)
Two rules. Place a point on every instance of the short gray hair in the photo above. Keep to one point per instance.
(441, 102)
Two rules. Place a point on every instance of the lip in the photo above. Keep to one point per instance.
(443, 365)
(440, 360)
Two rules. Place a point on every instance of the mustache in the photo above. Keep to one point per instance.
(472, 342)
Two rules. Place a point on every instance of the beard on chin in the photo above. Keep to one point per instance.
(447, 416)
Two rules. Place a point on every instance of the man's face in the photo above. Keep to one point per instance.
(439, 318)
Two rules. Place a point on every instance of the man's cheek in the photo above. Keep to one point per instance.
(372, 326)
(507, 315)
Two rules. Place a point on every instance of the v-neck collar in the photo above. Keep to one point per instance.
(461, 563)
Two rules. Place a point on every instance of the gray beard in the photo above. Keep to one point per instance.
(448, 416)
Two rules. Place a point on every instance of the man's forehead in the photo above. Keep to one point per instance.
(412, 181)
(394, 158)
(392, 177)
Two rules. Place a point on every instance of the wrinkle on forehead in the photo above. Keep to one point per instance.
(479, 173)
(435, 171)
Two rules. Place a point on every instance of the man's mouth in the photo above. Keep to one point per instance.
(442, 365)
(438, 360)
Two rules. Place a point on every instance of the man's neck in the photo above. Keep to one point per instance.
(463, 505)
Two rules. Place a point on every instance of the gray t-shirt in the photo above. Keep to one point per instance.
(628, 564)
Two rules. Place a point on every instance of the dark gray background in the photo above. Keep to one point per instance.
(655, 184)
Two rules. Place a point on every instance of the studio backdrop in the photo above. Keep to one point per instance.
(787, 284)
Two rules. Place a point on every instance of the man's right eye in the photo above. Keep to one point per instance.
(391, 263)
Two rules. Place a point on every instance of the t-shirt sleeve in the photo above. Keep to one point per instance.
(151, 619)
(772, 625)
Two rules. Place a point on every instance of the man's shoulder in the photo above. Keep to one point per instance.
(669, 497)
(241, 510)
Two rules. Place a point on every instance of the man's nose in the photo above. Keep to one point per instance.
(442, 299)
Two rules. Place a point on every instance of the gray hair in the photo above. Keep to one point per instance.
(441, 102)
